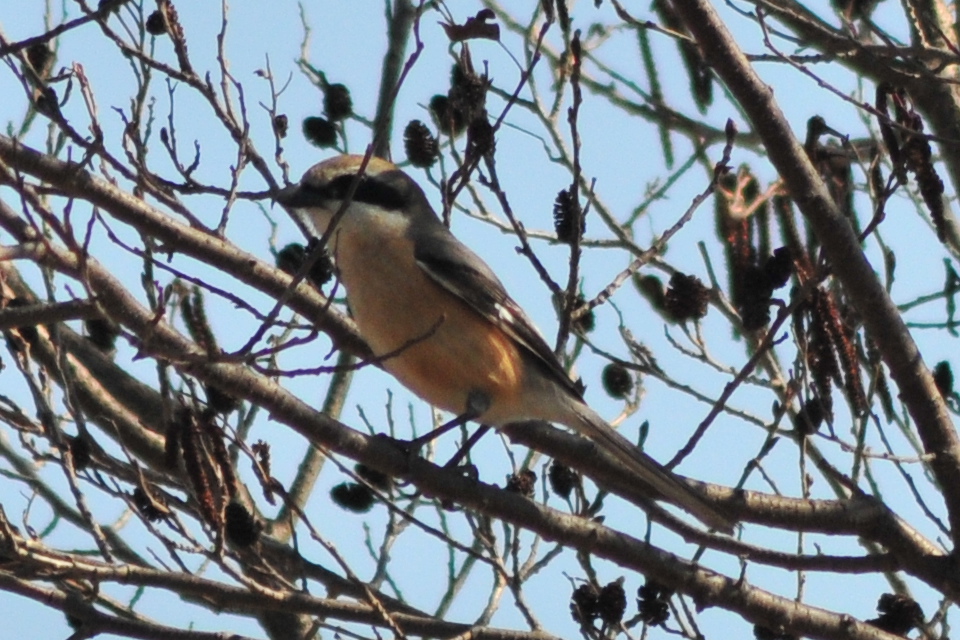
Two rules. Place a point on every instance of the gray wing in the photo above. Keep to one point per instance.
(456, 268)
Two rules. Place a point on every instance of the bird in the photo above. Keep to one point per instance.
(442, 322)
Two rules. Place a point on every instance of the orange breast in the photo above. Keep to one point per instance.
(451, 349)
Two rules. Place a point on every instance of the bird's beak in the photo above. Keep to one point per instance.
(290, 196)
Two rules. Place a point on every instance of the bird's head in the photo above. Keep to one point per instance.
(381, 190)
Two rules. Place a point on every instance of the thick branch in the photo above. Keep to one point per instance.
(71, 179)
(840, 244)
(706, 587)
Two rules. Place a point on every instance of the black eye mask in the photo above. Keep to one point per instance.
(385, 190)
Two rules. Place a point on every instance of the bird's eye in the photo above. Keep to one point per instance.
(339, 187)
(380, 191)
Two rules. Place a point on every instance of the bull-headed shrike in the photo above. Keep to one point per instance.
(452, 334)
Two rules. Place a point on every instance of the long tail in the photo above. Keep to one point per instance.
(648, 470)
